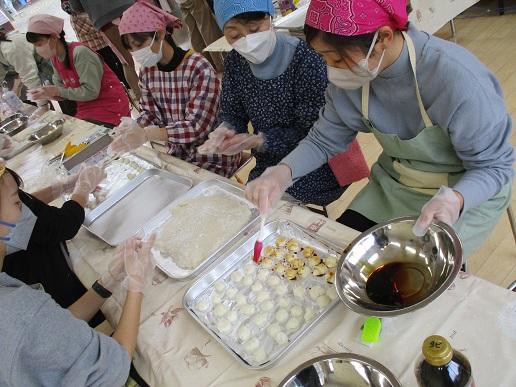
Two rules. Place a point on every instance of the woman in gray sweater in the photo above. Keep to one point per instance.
(437, 112)
(45, 345)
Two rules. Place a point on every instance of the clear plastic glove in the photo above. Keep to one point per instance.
(6, 145)
(265, 191)
(36, 115)
(88, 179)
(64, 185)
(44, 92)
(127, 141)
(445, 207)
(225, 141)
(138, 263)
(215, 139)
(238, 143)
(126, 123)
(115, 273)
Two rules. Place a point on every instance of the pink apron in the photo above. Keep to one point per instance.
(111, 104)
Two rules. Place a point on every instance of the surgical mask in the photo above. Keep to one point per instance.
(45, 51)
(257, 47)
(352, 79)
(20, 233)
(146, 57)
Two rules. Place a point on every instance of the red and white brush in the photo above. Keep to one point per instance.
(258, 245)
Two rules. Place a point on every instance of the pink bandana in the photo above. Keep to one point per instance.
(45, 24)
(145, 17)
(356, 17)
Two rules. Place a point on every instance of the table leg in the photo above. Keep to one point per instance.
(453, 30)
(501, 7)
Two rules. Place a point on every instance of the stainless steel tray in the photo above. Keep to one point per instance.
(241, 257)
(130, 208)
(120, 171)
(167, 265)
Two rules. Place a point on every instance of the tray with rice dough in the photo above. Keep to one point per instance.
(197, 229)
(257, 312)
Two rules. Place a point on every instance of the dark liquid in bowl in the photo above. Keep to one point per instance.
(398, 284)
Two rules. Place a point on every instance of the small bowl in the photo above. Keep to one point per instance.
(388, 271)
(14, 124)
(48, 133)
(340, 369)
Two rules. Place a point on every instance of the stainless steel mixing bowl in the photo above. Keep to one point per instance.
(340, 370)
(430, 265)
(48, 133)
(14, 124)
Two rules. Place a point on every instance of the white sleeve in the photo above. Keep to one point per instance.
(20, 55)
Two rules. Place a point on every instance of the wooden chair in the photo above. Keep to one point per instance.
(134, 103)
(246, 159)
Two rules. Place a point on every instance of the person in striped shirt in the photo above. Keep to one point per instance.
(180, 91)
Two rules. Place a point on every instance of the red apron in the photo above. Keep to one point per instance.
(112, 102)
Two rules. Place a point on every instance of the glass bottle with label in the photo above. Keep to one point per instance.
(441, 366)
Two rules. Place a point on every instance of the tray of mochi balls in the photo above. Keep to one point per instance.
(257, 312)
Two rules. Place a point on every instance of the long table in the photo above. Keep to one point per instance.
(478, 318)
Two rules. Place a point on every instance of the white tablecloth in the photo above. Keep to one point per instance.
(478, 318)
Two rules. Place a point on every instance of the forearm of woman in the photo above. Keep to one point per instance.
(17, 86)
(87, 306)
(156, 134)
(46, 195)
(80, 199)
(127, 329)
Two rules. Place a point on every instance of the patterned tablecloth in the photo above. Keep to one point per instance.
(477, 317)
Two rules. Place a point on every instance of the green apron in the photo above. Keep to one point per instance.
(409, 172)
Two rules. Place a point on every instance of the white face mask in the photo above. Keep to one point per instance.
(20, 232)
(257, 47)
(359, 75)
(45, 51)
(146, 57)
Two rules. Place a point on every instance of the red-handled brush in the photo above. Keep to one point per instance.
(258, 245)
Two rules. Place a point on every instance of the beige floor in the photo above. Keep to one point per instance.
(492, 39)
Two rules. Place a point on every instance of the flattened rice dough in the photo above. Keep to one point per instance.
(199, 226)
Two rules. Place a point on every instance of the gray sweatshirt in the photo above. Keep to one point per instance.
(101, 12)
(460, 95)
(42, 344)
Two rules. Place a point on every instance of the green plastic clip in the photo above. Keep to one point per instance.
(371, 331)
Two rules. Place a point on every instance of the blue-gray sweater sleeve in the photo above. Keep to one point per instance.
(328, 137)
(58, 349)
(480, 131)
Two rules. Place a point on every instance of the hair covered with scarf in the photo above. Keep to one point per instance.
(356, 17)
(341, 24)
(145, 17)
(228, 9)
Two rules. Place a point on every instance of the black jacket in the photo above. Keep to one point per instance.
(44, 261)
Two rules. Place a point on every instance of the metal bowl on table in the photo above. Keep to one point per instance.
(388, 271)
(340, 369)
(14, 124)
(47, 133)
